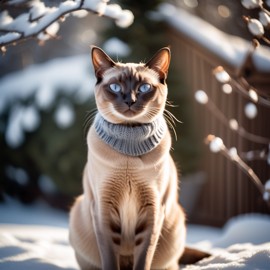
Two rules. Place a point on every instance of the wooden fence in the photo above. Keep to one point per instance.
(228, 191)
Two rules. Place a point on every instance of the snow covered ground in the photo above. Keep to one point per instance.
(36, 238)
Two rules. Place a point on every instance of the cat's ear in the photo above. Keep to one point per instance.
(160, 63)
(101, 62)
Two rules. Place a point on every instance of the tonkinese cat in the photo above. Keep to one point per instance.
(129, 216)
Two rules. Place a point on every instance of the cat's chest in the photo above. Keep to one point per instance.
(127, 194)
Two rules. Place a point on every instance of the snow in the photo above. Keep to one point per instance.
(18, 174)
(266, 195)
(35, 247)
(30, 118)
(61, 75)
(232, 152)
(65, 6)
(201, 97)
(252, 229)
(255, 27)
(253, 95)
(46, 184)
(250, 4)
(38, 10)
(38, 214)
(216, 145)
(36, 238)
(233, 123)
(71, 75)
(243, 243)
(21, 119)
(245, 256)
(45, 96)
(100, 8)
(64, 115)
(125, 19)
(5, 18)
(226, 88)
(50, 31)
(221, 75)
(14, 132)
(115, 46)
(231, 49)
(79, 13)
(264, 18)
(41, 18)
(250, 110)
(9, 37)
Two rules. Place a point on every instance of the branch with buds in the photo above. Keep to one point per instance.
(229, 84)
(262, 154)
(43, 22)
(216, 146)
(257, 27)
(202, 98)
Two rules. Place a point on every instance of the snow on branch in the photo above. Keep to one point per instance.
(255, 97)
(216, 146)
(42, 22)
(202, 98)
(258, 27)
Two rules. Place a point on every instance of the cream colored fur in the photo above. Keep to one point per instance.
(129, 211)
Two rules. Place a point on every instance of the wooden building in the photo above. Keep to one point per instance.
(198, 48)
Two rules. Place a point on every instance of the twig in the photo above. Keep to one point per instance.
(240, 89)
(23, 28)
(210, 105)
(234, 157)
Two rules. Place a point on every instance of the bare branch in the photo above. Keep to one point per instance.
(255, 155)
(232, 155)
(223, 77)
(40, 18)
(232, 123)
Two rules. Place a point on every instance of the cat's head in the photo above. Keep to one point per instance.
(131, 93)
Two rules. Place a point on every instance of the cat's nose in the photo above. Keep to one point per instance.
(129, 103)
(129, 99)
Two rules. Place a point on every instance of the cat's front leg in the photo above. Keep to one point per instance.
(109, 258)
(145, 249)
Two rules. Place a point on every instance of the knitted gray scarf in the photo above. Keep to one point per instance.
(131, 140)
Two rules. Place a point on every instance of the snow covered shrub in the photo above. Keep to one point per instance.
(55, 151)
(42, 130)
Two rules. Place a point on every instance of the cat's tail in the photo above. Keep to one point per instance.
(192, 255)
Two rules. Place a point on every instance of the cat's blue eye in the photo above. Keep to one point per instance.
(115, 87)
(145, 87)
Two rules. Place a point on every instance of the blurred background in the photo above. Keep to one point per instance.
(46, 94)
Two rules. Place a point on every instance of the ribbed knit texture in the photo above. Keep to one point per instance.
(131, 140)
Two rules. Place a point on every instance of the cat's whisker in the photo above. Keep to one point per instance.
(170, 122)
(170, 119)
(172, 116)
(90, 115)
(107, 111)
(152, 113)
(170, 104)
